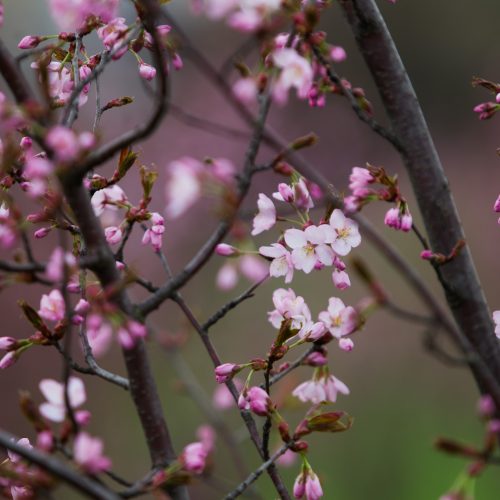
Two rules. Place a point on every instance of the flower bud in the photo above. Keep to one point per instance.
(29, 42)
(226, 250)
(226, 372)
(8, 360)
(7, 343)
(147, 71)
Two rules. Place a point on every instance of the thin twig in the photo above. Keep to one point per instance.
(256, 474)
(218, 315)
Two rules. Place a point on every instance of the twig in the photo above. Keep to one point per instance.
(218, 315)
(57, 468)
(256, 474)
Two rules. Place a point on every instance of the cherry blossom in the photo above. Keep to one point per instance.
(99, 335)
(52, 307)
(307, 483)
(108, 198)
(154, 235)
(346, 233)
(70, 15)
(339, 319)
(88, 454)
(282, 264)
(266, 217)
(289, 306)
(55, 408)
(323, 387)
(256, 400)
(64, 143)
(296, 71)
(184, 186)
(193, 457)
(112, 35)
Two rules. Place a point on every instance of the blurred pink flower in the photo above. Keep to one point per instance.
(55, 408)
(88, 454)
(52, 307)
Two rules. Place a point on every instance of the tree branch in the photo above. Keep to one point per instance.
(463, 290)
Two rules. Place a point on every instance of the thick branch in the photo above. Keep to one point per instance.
(463, 290)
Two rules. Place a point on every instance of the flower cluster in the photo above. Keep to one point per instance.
(363, 192)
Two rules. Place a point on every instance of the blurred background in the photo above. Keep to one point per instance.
(401, 397)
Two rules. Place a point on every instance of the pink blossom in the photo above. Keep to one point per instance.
(253, 268)
(193, 457)
(426, 255)
(63, 142)
(284, 193)
(184, 187)
(7, 234)
(312, 331)
(338, 54)
(217, 9)
(99, 335)
(289, 306)
(147, 71)
(296, 71)
(359, 179)
(346, 233)
(55, 265)
(113, 235)
(88, 454)
(302, 195)
(111, 197)
(82, 307)
(341, 279)
(323, 387)
(113, 35)
(486, 110)
(339, 319)
(129, 333)
(52, 307)
(256, 400)
(37, 167)
(60, 84)
(287, 459)
(253, 13)
(55, 408)
(70, 15)
(316, 358)
(227, 277)
(266, 217)
(222, 170)
(281, 264)
(246, 90)
(14, 457)
(309, 246)
(207, 435)
(45, 441)
(222, 398)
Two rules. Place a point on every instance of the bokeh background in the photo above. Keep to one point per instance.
(401, 397)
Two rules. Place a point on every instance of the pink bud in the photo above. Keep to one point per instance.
(7, 343)
(82, 307)
(346, 344)
(316, 358)
(76, 319)
(45, 441)
(341, 279)
(26, 143)
(83, 417)
(338, 54)
(225, 372)
(194, 457)
(125, 339)
(177, 62)
(147, 71)
(494, 426)
(392, 218)
(113, 235)
(406, 222)
(426, 255)
(497, 98)
(486, 406)
(496, 207)
(29, 42)
(42, 232)
(8, 360)
(226, 250)
(120, 265)
(137, 330)
(256, 400)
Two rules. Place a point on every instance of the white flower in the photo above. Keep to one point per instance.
(266, 217)
(346, 234)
